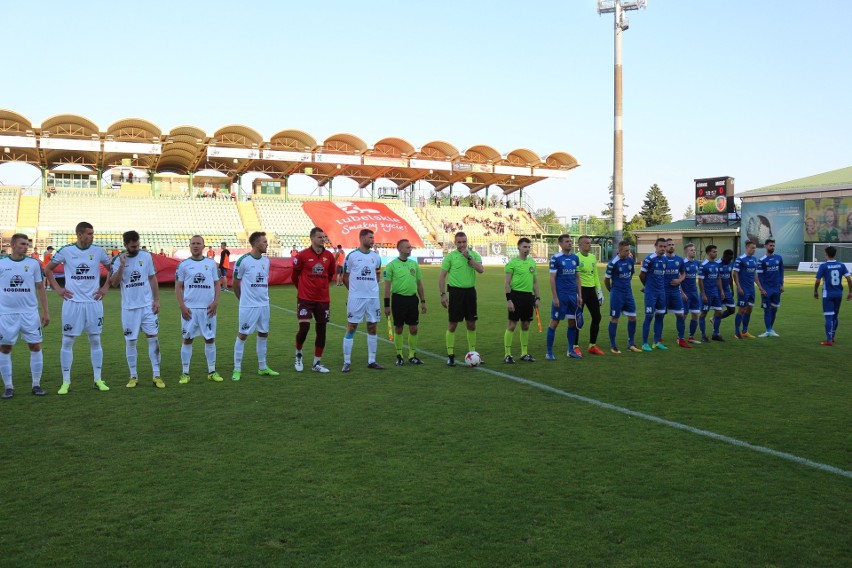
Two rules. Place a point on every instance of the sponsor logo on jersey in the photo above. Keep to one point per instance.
(317, 269)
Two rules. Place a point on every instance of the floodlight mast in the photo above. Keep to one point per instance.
(617, 8)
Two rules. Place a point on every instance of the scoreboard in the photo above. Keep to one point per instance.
(714, 199)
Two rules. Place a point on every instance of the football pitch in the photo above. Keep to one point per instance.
(727, 454)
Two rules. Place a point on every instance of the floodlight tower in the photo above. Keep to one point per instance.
(618, 7)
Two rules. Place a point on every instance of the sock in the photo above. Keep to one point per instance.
(746, 319)
(450, 339)
(646, 327)
(412, 345)
(767, 319)
(347, 348)
(36, 365)
(471, 340)
(738, 322)
(96, 353)
(658, 327)
(130, 353)
(260, 348)
(572, 338)
(239, 349)
(631, 332)
(551, 336)
(693, 325)
(613, 328)
(829, 328)
(372, 347)
(397, 343)
(210, 353)
(525, 341)
(317, 360)
(508, 336)
(702, 323)
(185, 356)
(717, 321)
(6, 369)
(680, 324)
(154, 354)
(772, 319)
(66, 357)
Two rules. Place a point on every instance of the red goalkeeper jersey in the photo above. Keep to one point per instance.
(312, 273)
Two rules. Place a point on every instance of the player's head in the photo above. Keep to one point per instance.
(19, 244)
(769, 245)
(830, 217)
(584, 243)
(366, 238)
(727, 256)
(404, 248)
(131, 242)
(85, 234)
(669, 246)
(317, 236)
(660, 246)
(565, 243)
(711, 252)
(225, 245)
(460, 241)
(196, 246)
(524, 246)
(339, 247)
(689, 251)
(258, 242)
(623, 249)
(830, 252)
(749, 247)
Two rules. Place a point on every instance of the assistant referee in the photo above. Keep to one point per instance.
(591, 292)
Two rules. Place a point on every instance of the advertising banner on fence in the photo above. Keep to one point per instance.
(779, 220)
(343, 220)
(828, 220)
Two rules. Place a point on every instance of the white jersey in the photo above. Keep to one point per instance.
(362, 268)
(17, 282)
(199, 278)
(135, 287)
(253, 274)
(82, 273)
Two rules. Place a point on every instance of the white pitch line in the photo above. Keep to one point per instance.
(636, 414)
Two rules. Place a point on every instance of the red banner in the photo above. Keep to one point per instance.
(343, 220)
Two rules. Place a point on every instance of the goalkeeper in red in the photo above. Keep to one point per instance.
(313, 269)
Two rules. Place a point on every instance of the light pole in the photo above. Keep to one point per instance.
(617, 8)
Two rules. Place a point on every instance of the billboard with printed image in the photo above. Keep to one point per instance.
(779, 220)
(828, 220)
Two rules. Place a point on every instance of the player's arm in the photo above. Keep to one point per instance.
(735, 276)
(115, 278)
(51, 279)
(701, 288)
(211, 309)
(388, 296)
(849, 285)
(579, 289)
(41, 294)
(102, 291)
(608, 283)
(185, 312)
(332, 272)
(720, 287)
(346, 272)
(781, 273)
(535, 290)
(758, 279)
(507, 287)
(421, 293)
(553, 293)
(297, 273)
(237, 284)
(475, 264)
(155, 293)
(442, 288)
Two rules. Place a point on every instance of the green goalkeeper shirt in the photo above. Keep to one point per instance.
(588, 269)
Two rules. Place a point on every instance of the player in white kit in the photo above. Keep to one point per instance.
(21, 292)
(251, 287)
(197, 289)
(133, 270)
(361, 277)
(83, 308)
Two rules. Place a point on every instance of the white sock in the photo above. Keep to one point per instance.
(154, 354)
(66, 357)
(210, 352)
(97, 355)
(186, 356)
(317, 360)
(239, 348)
(130, 352)
(6, 369)
(36, 365)
(372, 347)
(347, 349)
(261, 352)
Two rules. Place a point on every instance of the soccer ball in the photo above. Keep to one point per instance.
(472, 359)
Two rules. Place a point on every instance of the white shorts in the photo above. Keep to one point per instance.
(200, 324)
(254, 319)
(80, 317)
(134, 318)
(28, 325)
(357, 308)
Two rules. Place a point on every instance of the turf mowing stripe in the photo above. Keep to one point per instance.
(634, 413)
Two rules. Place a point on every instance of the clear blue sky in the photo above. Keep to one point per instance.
(753, 89)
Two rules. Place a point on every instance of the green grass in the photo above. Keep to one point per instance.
(432, 466)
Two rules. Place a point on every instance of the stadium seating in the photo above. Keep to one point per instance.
(8, 208)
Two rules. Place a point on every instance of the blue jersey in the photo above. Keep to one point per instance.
(832, 273)
(690, 283)
(709, 273)
(564, 266)
(725, 275)
(746, 266)
(619, 272)
(654, 268)
(770, 272)
(674, 268)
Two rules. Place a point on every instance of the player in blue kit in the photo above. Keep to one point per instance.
(710, 285)
(619, 273)
(689, 286)
(832, 272)
(743, 274)
(770, 279)
(565, 288)
(653, 278)
(675, 274)
(726, 267)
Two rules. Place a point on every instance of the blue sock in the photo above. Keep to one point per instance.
(829, 327)
(738, 322)
(693, 325)
(772, 321)
(680, 324)
(658, 327)
(551, 335)
(631, 332)
(613, 327)
(646, 327)
(702, 324)
(717, 321)
(572, 338)
(746, 319)
(767, 318)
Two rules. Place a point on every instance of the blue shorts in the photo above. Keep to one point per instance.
(674, 301)
(566, 310)
(621, 304)
(655, 302)
(747, 299)
(772, 298)
(693, 302)
(831, 306)
(714, 302)
(729, 301)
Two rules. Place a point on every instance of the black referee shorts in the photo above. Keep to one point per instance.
(462, 304)
(405, 310)
(524, 306)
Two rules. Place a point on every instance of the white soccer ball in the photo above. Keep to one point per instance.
(472, 359)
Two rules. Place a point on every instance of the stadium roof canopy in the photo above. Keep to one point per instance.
(826, 182)
(237, 149)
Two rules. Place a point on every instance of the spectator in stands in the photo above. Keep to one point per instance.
(211, 253)
(294, 251)
(339, 258)
(48, 254)
(162, 252)
(114, 252)
(36, 255)
(130, 177)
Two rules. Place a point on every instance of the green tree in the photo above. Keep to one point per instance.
(607, 213)
(546, 217)
(637, 222)
(689, 213)
(655, 208)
